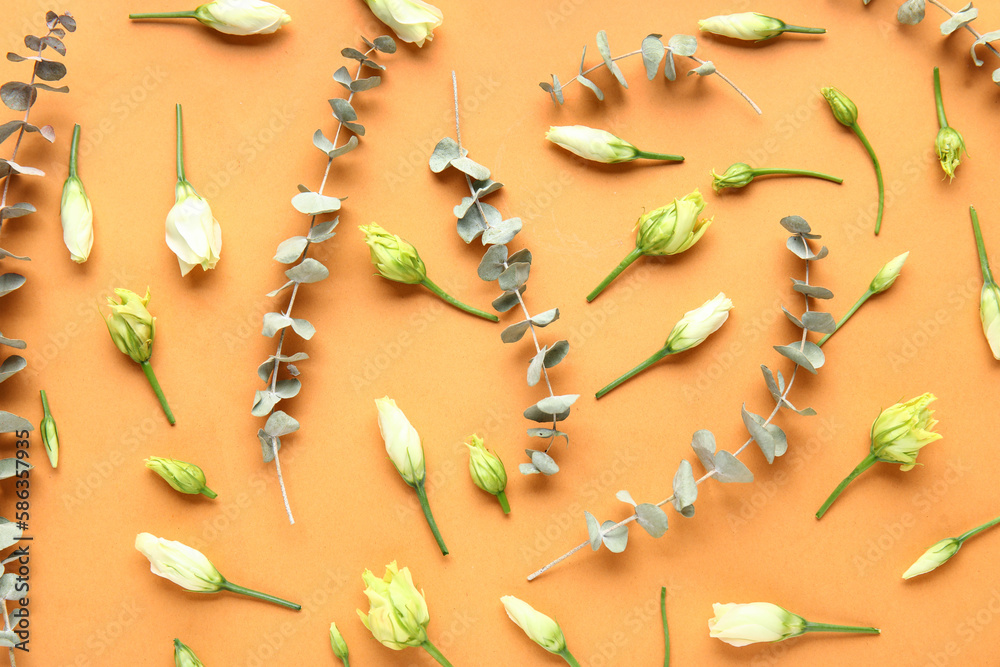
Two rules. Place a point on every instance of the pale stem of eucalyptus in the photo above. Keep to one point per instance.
(17, 144)
(520, 301)
(791, 380)
(291, 302)
(697, 60)
(7, 626)
(966, 26)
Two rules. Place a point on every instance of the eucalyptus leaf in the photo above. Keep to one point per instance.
(704, 69)
(486, 187)
(798, 245)
(911, 12)
(605, 50)
(7, 253)
(463, 207)
(760, 435)
(553, 405)
(536, 415)
(703, 444)
(309, 271)
(809, 355)
(49, 70)
(557, 94)
(18, 96)
(805, 412)
(502, 232)
(615, 539)
(652, 55)
(543, 462)
(274, 293)
(731, 469)
(796, 224)
(9, 423)
(556, 353)
(8, 592)
(507, 300)
(626, 497)
(268, 445)
(9, 639)
(353, 54)
(313, 203)
(322, 231)
(279, 424)
(10, 467)
(343, 77)
(385, 44)
(522, 255)
(274, 322)
(342, 110)
(794, 320)
(445, 151)
(10, 534)
(515, 332)
(652, 519)
(960, 19)
(535, 367)
(291, 249)
(303, 328)
(772, 386)
(9, 128)
(471, 167)
(546, 318)
(669, 67)
(811, 290)
(10, 282)
(287, 388)
(13, 342)
(683, 45)
(263, 402)
(685, 487)
(8, 166)
(514, 276)
(984, 39)
(592, 86)
(365, 84)
(472, 224)
(265, 369)
(492, 264)
(11, 365)
(351, 144)
(819, 322)
(321, 142)
(55, 43)
(593, 531)
(51, 89)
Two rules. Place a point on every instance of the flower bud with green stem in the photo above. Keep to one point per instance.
(949, 144)
(741, 174)
(989, 297)
(232, 17)
(339, 645)
(754, 622)
(75, 211)
(880, 283)
(540, 628)
(487, 471)
(942, 551)
(750, 26)
(50, 434)
(846, 113)
(601, 146)
(184, 656)
(181, 476)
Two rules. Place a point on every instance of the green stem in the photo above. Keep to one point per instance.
(984, 263)
(659, 156)
(45, 405)
(435, 653)
(826, 627)
(864, 297)
(878, 175)
(568, 657)
(229, 586)
(807, 31)
(942, 119)
(455, 302)
(425, 506)
(625, 263)
(502, 497)
(180, 145)
(73, 149)
(867, 463)
(346, 661)
(975, 531)
(205, 491)
(165, 15)
(666, 631)
(148, 370)
(635, 371)
(796, 172)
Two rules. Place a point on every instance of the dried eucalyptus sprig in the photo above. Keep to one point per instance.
(741, 174)
(723, 465)
(19, 96)
(477, 218)
(911, 12)
(653, 52)
(949, 144)
(846, 113)
(308, 270)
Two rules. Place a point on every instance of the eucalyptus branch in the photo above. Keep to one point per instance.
(295, 250)
(723, 465)
(911, 12)
(511, 271)
(653, 52)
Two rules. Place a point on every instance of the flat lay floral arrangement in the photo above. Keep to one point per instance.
(502, 326)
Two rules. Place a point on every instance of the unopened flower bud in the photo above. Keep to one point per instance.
(184, 656)
(181, 476)
(902, 430)
(698, 324)
(50, 435)
(592, 144)
(887, 276)
(413, 21)
(673, 228)
(131, 326)
(338, 644)
(750, 26)
(934, 557)
(393, 257)
(540, 628)
(486, 468)
(844, 110)
(949, 147)
(737, 176)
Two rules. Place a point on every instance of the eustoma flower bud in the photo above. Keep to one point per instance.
(693, 329)
(181, 476)
(132, 330)
(191, 570)
(338, 645)
(897, 436)
(402, 443)
(397, 615)
(397, 260)
(668, 230)
(949, 144)
(989, 297)
(413, 21)
(750, 623)
(233, 17)
(741, 174)
(941, 553)
(600, 145)
(50, 434)
(193, 233)
(882, 281)
(75, 212)
(540, 628)
(846, 113)
(184, 656)
(751, 26)
(487, 471)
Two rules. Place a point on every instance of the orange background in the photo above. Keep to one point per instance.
(251, 106)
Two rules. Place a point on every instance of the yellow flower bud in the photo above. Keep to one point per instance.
(394, 258)
(540, 628)
(186, 567)
(397, 614)
(413, 21)
(242, 17)
(844, 110)
(673, 228)
(949, 147)
(989, 313)
(402, 442)
(737, 176)
(887, 276)
(181, 476)
(742, 624)
(131, 326)
(486, 468)
(698, 324)
(50, 435)
(592, 144)
(750, 26)
(193, 233)
(337, 643)
(901, 430)
(184, 656)
(934, 557)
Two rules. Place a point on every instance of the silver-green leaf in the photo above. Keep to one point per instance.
(731, 469)
(652, 519)
(308, 271)
(313, 203)
(703, 444)
(615, 539)
(652, 55)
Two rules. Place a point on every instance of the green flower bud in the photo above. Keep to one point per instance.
(540, 628)
(844, 110)
(698, 324)
(50, 435)
(737, 176)
(131, 326)
(184, 656)
(673, 228)
(989, 315)
(887, 276)
(394, 258)
(592, 144)
(485, 467)
(181, 476)
(337, 643)
(934, 557)
(949, 146)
